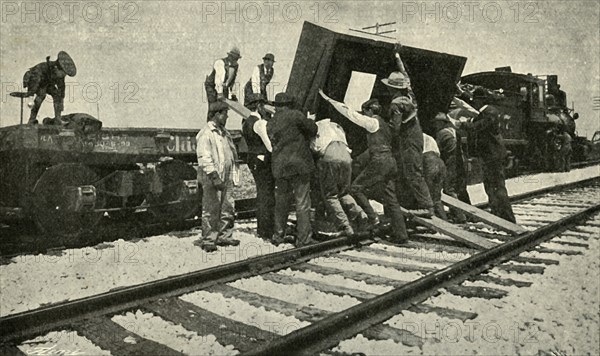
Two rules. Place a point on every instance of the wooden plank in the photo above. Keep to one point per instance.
(423, 256)
(521, 269)
(323, 287)
(228, 332)
(534, 260)
(11, 350)
(386, 332)
(110, 336)
(238, 108)
(453, 231)
(482, 215)
(312, 314)
(500, 281)
(385, 263)
(443, 312)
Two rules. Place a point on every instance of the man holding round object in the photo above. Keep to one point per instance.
(49, 78)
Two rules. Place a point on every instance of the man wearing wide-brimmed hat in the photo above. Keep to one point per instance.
(407, 145)
(219, 83)
(261, 77)
(254, 131)
(290, 133)
(49, 78)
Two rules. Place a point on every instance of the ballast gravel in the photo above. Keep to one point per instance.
(30, 281)
(152, 327)
(63, 342)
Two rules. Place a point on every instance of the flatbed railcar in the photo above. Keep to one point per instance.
(66, 178)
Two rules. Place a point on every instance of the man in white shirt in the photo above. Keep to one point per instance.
(381, 170)
(261, 77)
(334, 168)
(254, 131)
(220, 81)
(434, 172)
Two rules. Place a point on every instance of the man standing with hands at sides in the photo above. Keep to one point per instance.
(219, 83)
(290, 133)
(254, 130)
(381, 170)
(483, 135)
(407, 145)
(261, 77)
(217, 172)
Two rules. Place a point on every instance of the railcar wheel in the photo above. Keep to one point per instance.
(183, 206)
(53, 201)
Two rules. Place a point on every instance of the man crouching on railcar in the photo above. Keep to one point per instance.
(217, 173)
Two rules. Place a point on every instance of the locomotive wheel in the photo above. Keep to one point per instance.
(50, 201)
(171, 175)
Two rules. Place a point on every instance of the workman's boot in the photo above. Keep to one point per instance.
(227, 241)
(206, 245)
(423, 213)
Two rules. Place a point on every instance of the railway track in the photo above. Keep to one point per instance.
(309, 299)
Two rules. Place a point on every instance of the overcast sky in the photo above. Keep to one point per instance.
(142, 64)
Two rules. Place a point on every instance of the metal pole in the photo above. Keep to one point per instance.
(22, 110)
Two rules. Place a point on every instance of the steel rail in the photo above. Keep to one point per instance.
(339, 326)
(35, 322)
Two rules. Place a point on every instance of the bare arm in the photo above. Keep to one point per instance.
(368, 123)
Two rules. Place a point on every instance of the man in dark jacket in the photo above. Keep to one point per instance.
(290, 133)
(254, 130)
(49, 78)
(486, 142)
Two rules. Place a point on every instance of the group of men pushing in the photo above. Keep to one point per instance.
(402, 167)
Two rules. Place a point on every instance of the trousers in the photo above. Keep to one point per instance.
(218, 213)
(335, 174)
(265, 195)
(378, 179)
(299, 187)
(434, 171)
(495, 188)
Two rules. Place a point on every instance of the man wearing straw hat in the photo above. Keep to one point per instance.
(49, 78)
(407, 145)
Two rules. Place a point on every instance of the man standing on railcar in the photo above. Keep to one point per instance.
(218, 173)
(49, 78)
(290, 133)
(380, 171)
(219, 83)
(254, 130)
(261, 77)
(407, 145)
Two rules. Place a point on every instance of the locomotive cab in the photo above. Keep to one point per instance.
(532, 118)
